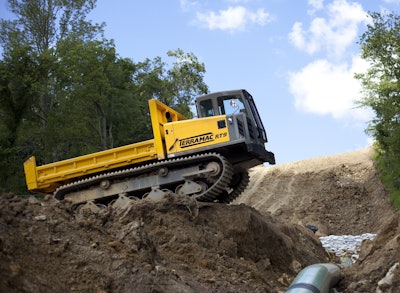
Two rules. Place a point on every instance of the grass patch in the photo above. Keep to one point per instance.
(395, 199)
(389, 174)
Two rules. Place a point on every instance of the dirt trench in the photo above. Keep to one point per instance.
(257, 244)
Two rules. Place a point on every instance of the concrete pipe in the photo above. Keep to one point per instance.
(317, 278)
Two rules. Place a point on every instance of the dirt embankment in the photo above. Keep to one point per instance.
(258, 244)
(340, 194)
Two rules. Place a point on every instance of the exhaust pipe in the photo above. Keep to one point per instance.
(317, 278)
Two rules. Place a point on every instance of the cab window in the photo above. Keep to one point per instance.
(206, 108)
(230, 105)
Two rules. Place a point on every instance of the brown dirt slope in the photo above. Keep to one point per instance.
(340, 194)
(174, 245)
(258, 244)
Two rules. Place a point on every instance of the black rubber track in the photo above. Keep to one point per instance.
(211, 194)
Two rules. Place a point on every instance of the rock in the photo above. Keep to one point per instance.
(40, 218)
(387, 281)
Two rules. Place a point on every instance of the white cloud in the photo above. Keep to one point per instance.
(238, 1)
(233, 19)
(187, 5)
(327, 86)
(329, 89)
(335, 33)
(315, 5)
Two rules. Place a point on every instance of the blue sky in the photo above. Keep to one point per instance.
(297, 58)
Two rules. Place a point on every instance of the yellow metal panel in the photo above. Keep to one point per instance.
(194, 134)
(160, 115)
(30, 173)
(48, 177)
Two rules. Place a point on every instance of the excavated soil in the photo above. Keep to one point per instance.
(257, 244)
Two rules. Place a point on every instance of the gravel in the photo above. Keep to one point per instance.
(346, 247)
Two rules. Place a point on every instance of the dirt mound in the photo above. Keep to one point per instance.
(257, 244)
(378, 268)
(174, 245)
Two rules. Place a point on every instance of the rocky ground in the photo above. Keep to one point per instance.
(257, 244)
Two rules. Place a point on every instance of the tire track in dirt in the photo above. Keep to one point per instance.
(286, 195)
(268, 191)
(257, 175)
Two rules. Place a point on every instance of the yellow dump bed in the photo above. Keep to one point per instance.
(47, 178)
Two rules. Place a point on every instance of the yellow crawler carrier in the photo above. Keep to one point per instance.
(206, 158)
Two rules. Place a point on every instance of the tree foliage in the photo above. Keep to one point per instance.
(65, 92)
(185, 80)
(18, 86)
(380, 46)
(42, 23)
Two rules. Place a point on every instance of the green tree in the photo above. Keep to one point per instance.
(41, 25)
(97, 89)
(29, 74)
(18, 86)
(380, 46)
(186, 80)
(65, 92)
(177, 86)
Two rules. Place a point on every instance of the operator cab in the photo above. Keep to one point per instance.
(245, 127)
(231, 103)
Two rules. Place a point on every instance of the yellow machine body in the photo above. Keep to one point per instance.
(228, 124)
(188, 135)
